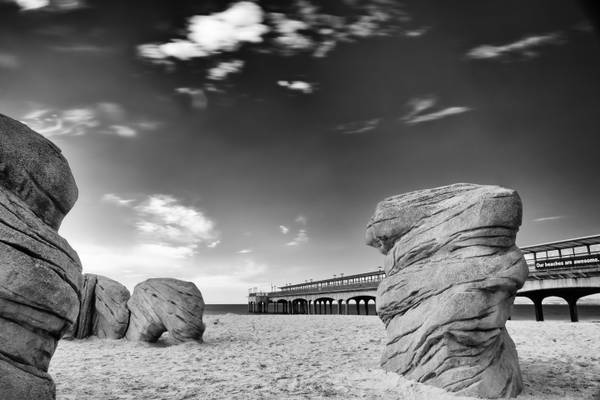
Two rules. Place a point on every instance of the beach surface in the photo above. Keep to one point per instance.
(305, 357)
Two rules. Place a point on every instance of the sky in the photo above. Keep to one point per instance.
(245, 144)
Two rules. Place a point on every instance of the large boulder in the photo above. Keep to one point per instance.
(40, 274)
(103, 309)
(452, 271)
(33, 169)
(111, 315)
(164, 304)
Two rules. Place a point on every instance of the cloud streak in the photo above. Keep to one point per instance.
(358, 127)
(421, 111)
(552, 218)
(525, 47)
(104, 117)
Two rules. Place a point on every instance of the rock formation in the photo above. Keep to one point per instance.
(165, 304)
(111, 315)
(103, 309)
(86, 310)
(452, 271)
(40, 274)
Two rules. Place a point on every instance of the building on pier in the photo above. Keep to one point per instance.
(569, 269)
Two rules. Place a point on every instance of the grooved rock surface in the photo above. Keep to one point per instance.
(33, 169)
(40, 274)
(164, 304)
(86, 310)
(452, 271)
(111, 315)
(103, 309)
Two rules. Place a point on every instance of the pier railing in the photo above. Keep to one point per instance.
(368, 280)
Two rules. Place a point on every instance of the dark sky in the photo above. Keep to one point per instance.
(252, 148)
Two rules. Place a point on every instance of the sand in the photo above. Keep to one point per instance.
(305, 357)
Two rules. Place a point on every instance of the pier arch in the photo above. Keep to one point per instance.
(364, 300)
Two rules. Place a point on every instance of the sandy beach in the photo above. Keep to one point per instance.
(305, 357)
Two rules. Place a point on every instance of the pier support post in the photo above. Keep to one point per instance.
(366, 306)
(572, 301)
(357, 306)
(330, 306)
(539, 311)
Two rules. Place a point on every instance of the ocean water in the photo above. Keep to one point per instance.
(521, 312)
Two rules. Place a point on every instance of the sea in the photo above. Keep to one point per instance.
(521, 312)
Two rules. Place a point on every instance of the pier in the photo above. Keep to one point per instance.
(569, 269)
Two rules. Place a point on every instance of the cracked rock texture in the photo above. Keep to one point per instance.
(40, 274)
(165, 304)
(103, 309)
(452, 271)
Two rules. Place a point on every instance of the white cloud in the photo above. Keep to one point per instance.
(168, 227)
(50, 5)
(419, 105)
(198, 99)
(523, 47)
(215, 33)
(122, 130)
(224, 69)
(301, 237)
(165, 219)
(245, 251)
(552, 218)
(32, 4)
(181, 49)
(116, 200)
(214, 244)
(446, 112)
(301, 219)
(415, 33)
(284, 229)
(298, 27)
(104, 117)
(289, 36)
(357, 127)
(299, 86)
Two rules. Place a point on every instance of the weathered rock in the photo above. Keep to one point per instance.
(111, 315)
(33, 169)
(40, 274)
(86, 307)
(452, 271)
(103, 309)
(165, 304)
